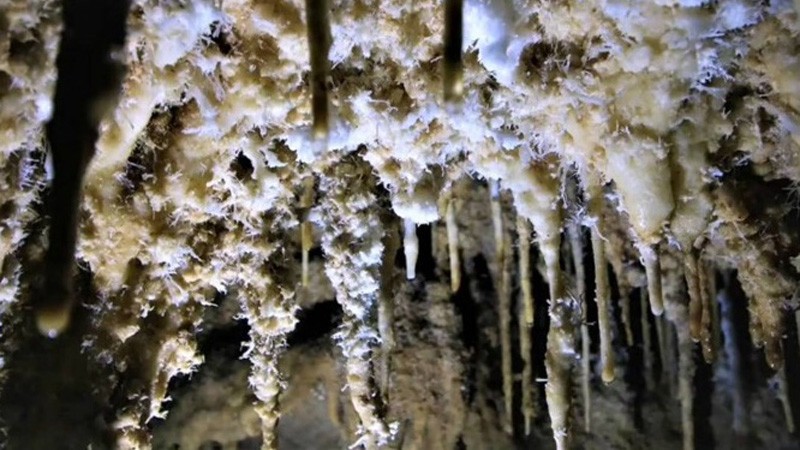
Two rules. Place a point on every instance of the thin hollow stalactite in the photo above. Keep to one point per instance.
(594, 192)
(603, 298)
(90, 75)
(410, 248)
(386, 305)
(525, 348)
(662, 346)
(319, 43)
(652, 268)
(306, 237)
(685, 382)
(576, 244)
(706, 330)
(526, 288)
(647, 345)
(503, 265)
(625, 307)
(783, 397)
(693, 285)
(452, 66)
(716, 322)
(505, 331)
(669, 357)
(497, 221)
(452, 245)
(525, 322)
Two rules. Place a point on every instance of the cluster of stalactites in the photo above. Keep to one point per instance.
(692, 311)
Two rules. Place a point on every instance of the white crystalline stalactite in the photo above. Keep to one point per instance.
(693, 286)
(389, 285)
(594, 193)
(536, 196)
(452, 245)
(525, 322)
(707, 315)
(353, 250)
(410, 248)
(269, 307)
(576, 245)
(688, 163)
(502, 263)
(647, 198)
(677, 311)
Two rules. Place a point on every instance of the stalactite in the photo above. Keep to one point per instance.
(678, 314)
(525, 322)
(560, 345)
(716, 322)
(625, 306)
(410, 248)
(319, 43)
(594, 192)
(503, 265)
(306, 238)
(783, 397)
(652, 267)
(524, 233)
(692, 271)
(353, 248)
(271, 317)
(647, 345)
(391, 241)
(505, 332)
(539, 202)
(497, 221)
(734, 360)
(706, 336)
(576, 244)
(670, 361)
(525, 348)
(662, 346)
(452, 245)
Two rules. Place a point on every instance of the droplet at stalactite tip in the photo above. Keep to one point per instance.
(319, 43)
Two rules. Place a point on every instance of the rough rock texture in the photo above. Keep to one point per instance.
(215, 197)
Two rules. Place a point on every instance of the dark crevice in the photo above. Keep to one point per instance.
(466, 308)
(701, 401)
(426, 263)
(138, 169)
(50, 397)
(488, 370)
(242, 167)
(541, 324)
(792, 361)
(634, 370)
(315, 322)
